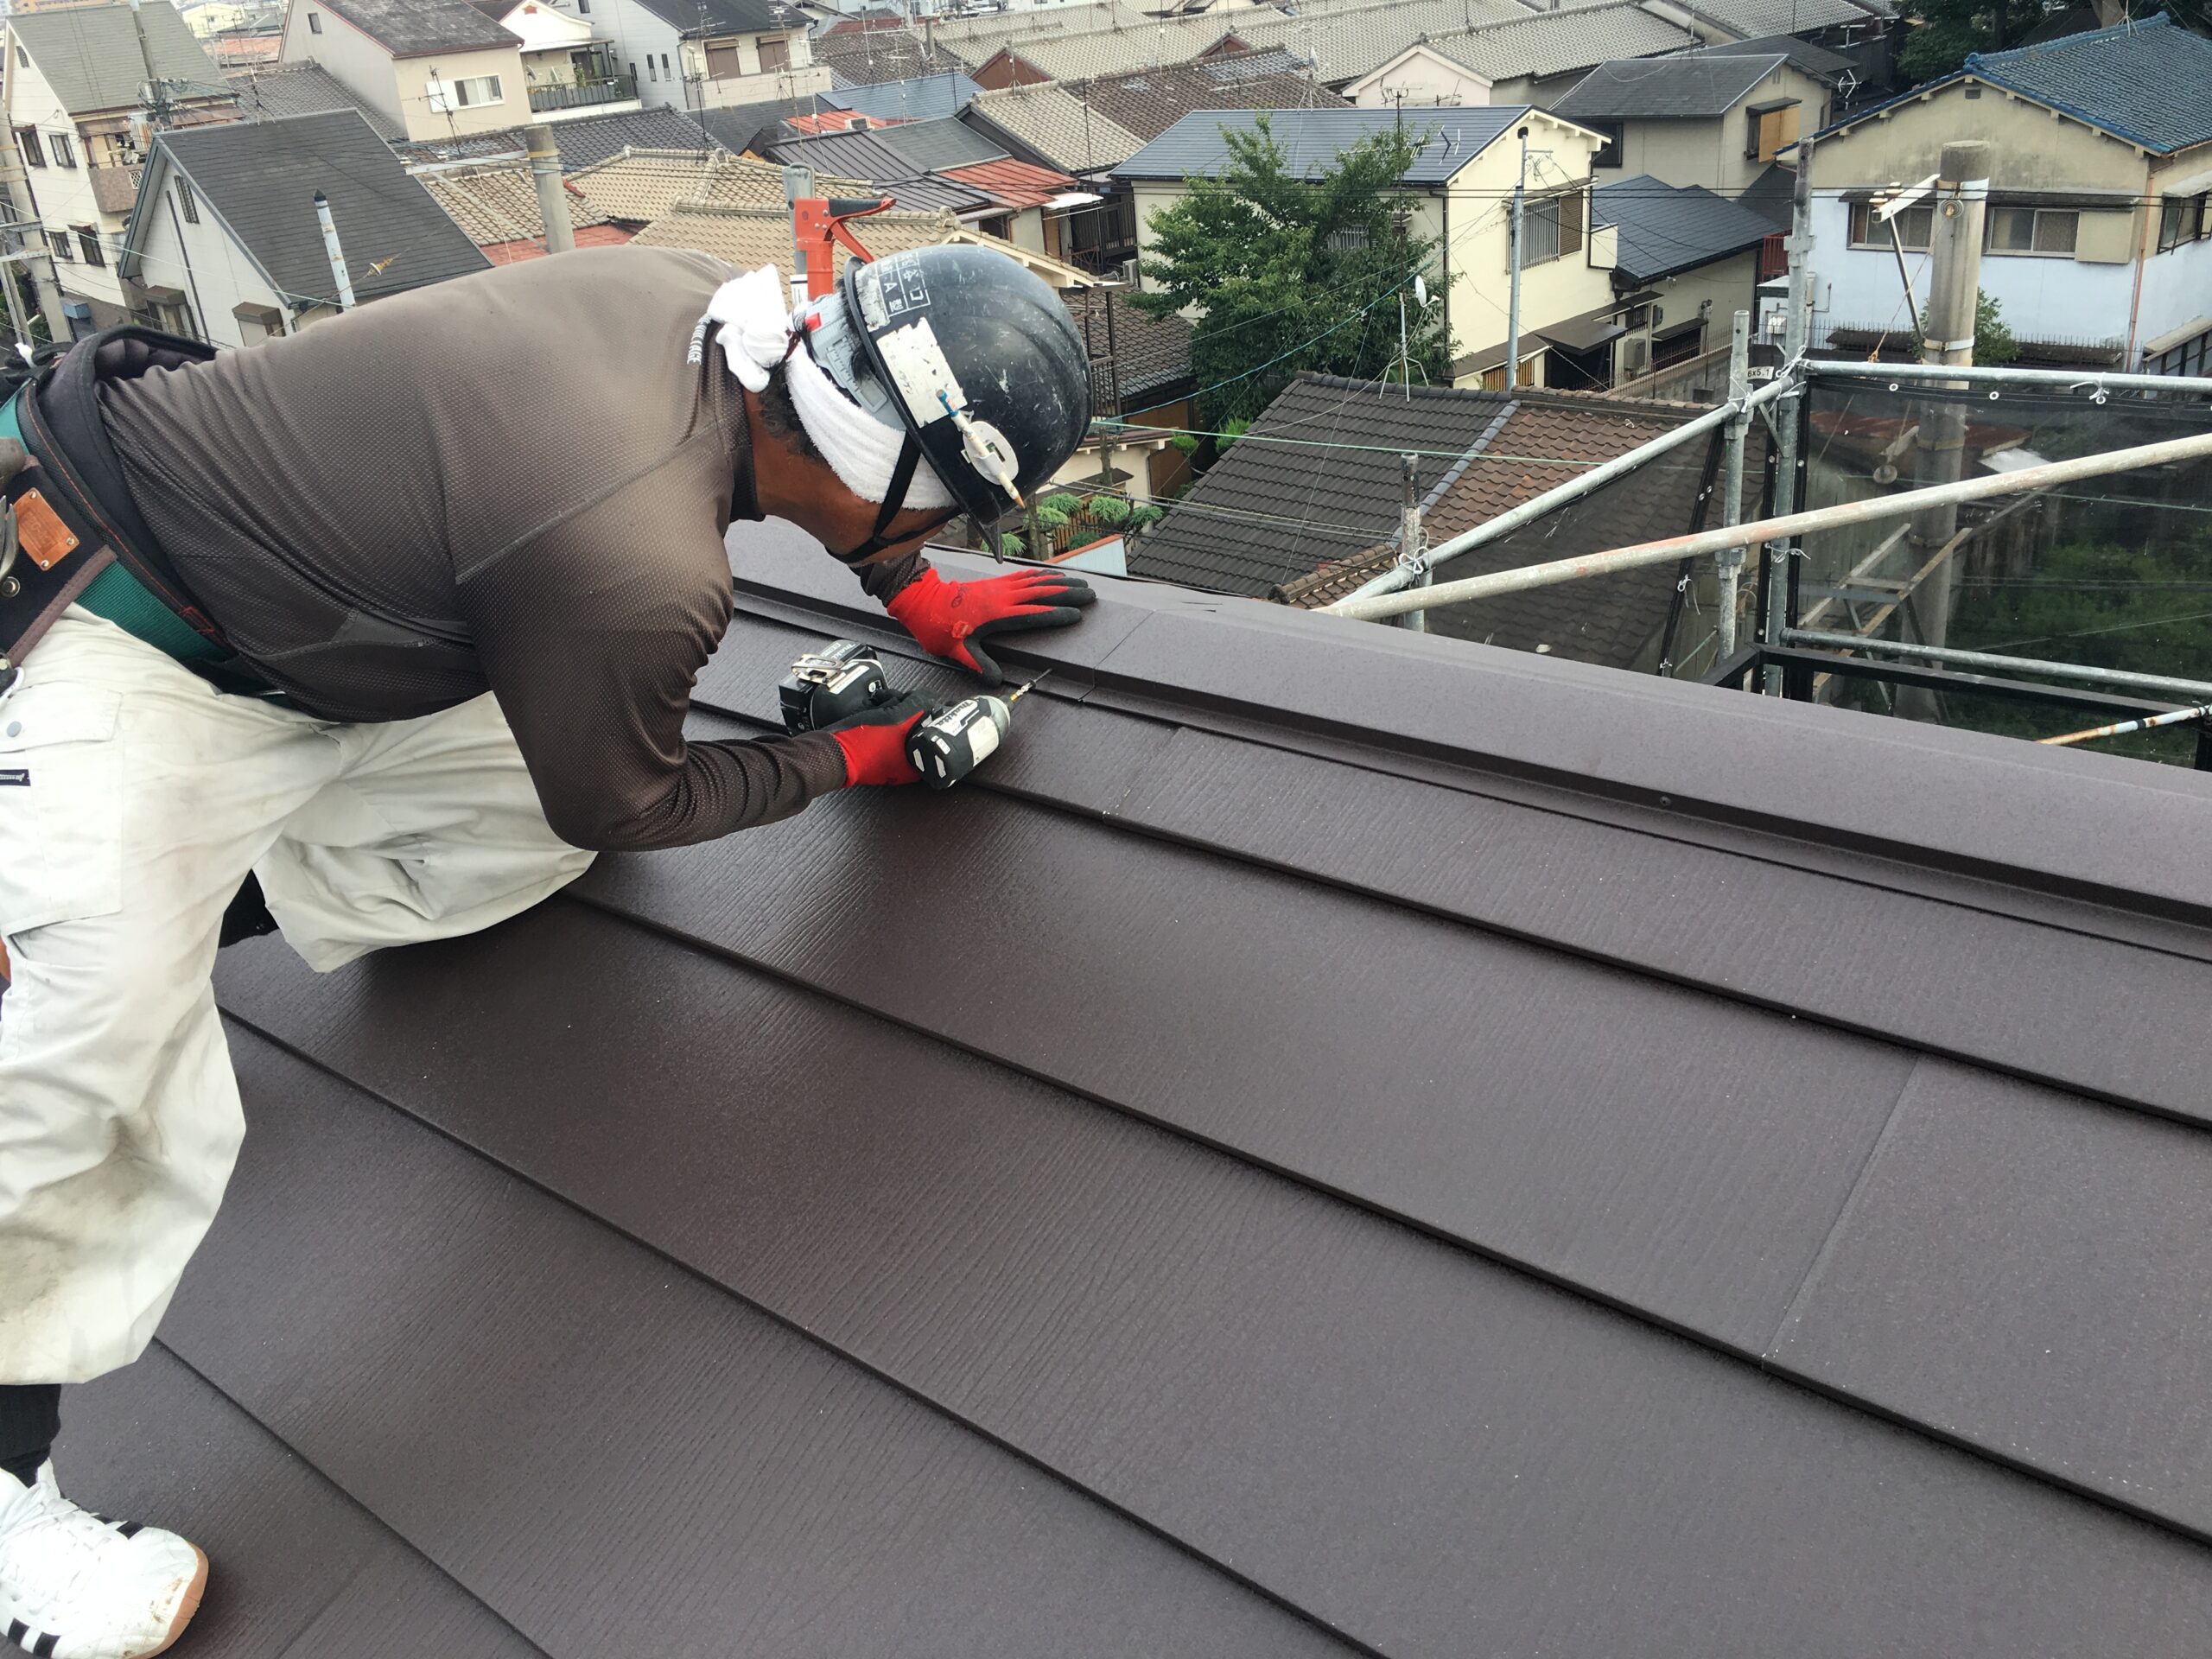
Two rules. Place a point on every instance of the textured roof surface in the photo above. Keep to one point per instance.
(1149, 101)
(1013, 185)
(703, 17)
(1555, 42)
(262, 177)
(1815, 60)
(740, 127)
(1147, 354)
(2149, 82)
(582, 142)
(1314, 138)
(917, 99)
(89, 56)
(1073, 132)
(412, 29)
(303, 88)
(752, 237)
(870, 57)
(499, 204)
(1667, 228)
(933, 146)
(1648, 89)
(1022, 22)
(852, 154)
(642, 185)
(1749, 20)
(1423, 1151)
(1111, 51)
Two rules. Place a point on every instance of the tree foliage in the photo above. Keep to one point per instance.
(1993, 344)
(1947, 30)
(1294, 272)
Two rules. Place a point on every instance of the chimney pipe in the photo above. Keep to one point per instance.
(337, 254)
(552, 193)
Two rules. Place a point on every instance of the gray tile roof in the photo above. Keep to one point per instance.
(740, 127)
(1314, 138)
(933, 146)
(694, 18)
(2149, 82)
(583, 142)
(919, 98)
(1749, 20)
(870, 57)
(415, 28)
(1555, 42)
(1667, 228)
(269, 91)
(1659, 89)
(261, 177)
(1149, 101)
(89, 54)
(1815, 60)
(1069, 132)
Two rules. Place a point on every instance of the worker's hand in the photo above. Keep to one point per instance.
(953, 619)
(875, 743)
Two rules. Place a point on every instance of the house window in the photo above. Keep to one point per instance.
(666, 73)
(723, 60)
(22, 58)
(652, 73)
(64, 249)
(583, 7)
(2182, 219)
(187, 203)
(472, 92)
(2032, 230)
(314, 23)
(1915, 227)
(775, 52)
(88, 244)
(27, 140)
(1769, 129)
(1002, 226)
(1609, 153)
(1678, 344)
(1550, 229)
(2191, 357)
(64, 150)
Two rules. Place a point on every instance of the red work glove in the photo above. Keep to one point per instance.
(952, 619)
(874, 743)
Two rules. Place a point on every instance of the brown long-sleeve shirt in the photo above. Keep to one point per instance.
(516, 482)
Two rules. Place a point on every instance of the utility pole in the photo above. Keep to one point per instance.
(1730, 564)
(337, 254)
(552, 192)
(798, 185)
(1953, 296)
(1513, 263)
(1800, 246)
(1413, 556)
(20, 208)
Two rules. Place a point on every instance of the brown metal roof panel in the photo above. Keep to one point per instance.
(617, 1456)
(2028, 1270)
(299, 1570)
(1402, 1438)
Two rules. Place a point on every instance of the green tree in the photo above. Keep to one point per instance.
(1945, 31)
(1993, 345)
(1294, 270)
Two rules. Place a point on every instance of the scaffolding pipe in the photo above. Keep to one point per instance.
(1730, 561)
(2065, 379)
(1788, 491)
(2151, 723)
(1980, 660)
(1871, 511)
(1574, 489)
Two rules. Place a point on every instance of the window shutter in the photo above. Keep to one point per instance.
(775, 52)
(1570, 224)
(723, 62)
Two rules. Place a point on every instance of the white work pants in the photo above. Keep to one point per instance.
(134, 797)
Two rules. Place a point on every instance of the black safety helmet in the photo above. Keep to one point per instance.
(975, 356)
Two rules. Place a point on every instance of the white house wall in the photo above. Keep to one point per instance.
(1421, 77)
(2176, 288)
(64, 195)
(641, 40)
(203, 261)
(363, 66)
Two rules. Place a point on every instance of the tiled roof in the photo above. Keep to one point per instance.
(1067, 130)
(695, 18)
(934, 146)
(1815, 60)
(303, 88)
(499, 204)
(1750, 20)
(1645, 89)
(1314, 138)
(114, 188)
(262, 177)
(89, 56)
(1112, 51)
(415, 28)
(1557, 41)
(1667, 228)
(638, 186)
(1080, 16)
(1149, 101)
(919, 98)
(2149, 82)
(749, 238)
(870, 57)
(1013, 185)
(582, 142)
(809, 126)
(1149, 354)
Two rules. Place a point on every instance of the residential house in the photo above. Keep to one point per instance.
(868, 57)
(1526, 60)
(1049, 124)
(1455, 193)
(582, 140)
(638, 186)
(225, 244)
(1700, 118)
(1147, 102)
(76, 100)
(2099, 246)
(1140, 379)
(1867, 32)
(1687, 261)
(567, 66)
(440, 68)
(751, 234)
(269, 92)
(694, 54)
(497, 206)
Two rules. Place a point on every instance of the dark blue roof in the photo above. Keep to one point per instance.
(2150, 83)
(1314, 138)
(1665, 228)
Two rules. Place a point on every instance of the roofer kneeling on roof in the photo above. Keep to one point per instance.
(401, 616)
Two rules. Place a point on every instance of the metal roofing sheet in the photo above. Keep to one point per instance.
(1555, 42)
(1667, 228)
(1659, 89)
(917, 98)
(936, 146)
(1314, 138)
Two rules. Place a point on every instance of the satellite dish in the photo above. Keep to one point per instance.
(1420, 292)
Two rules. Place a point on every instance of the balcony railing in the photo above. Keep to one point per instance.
(616, 89)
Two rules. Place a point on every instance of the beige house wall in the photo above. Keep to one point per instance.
(1711, 152)
(399, 87)
(1420, 76)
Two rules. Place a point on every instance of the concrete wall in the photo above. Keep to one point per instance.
(1419, 77)
(64, 195)
(1715, 292)
(2035, 148)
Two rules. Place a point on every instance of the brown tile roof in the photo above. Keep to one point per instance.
(1063, 128)
(750, 237)
(639, 186)
(1013, 185)
(870, 57)
(1149, 101)
(499, 204)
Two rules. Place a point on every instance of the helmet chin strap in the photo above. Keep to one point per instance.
(902, 475)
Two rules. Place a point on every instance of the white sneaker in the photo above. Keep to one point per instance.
(78, 1586)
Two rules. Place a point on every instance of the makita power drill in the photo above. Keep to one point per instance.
(845, 678)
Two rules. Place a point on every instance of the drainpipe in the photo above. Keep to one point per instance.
(2143, 245)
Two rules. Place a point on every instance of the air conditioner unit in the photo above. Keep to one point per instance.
(1126, 273)
(1636, 357)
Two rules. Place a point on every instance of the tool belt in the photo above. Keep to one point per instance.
(70, 533)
